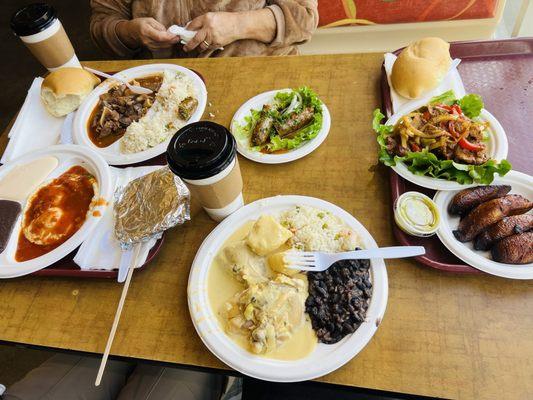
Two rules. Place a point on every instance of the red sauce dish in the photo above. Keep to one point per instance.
(55, 212)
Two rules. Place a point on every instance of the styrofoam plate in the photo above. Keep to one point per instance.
(325, 358)
(67, 156)
(112, 153)
(243, 145)
(521, 184)
(497, 147)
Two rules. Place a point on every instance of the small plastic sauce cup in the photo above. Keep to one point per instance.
(416, 214)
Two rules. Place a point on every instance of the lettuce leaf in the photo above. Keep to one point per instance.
(425, 163)
(283, 99)
(447, 98)
(471, 104)
(383, 131)
(243, 132)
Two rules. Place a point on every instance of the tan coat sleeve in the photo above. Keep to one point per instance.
(296, 21)
(106, 14)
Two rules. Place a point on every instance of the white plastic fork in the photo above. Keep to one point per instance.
(318, 262)
(134, 88)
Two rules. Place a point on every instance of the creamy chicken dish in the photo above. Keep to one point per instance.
(259, 302)
(268, 308)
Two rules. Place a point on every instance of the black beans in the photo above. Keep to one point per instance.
(338, 299)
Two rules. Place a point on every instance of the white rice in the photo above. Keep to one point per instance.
(317, 230)
(162, 119)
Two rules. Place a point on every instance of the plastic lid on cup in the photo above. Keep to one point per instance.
(201, 150)
(32, 19)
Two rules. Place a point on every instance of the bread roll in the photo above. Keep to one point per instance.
(63, 90)
(420, 67)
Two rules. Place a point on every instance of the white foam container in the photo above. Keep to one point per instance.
(112, 153)
(243, 145)
(497, 147)
(325, 358)
(521, 184)
(67, 156)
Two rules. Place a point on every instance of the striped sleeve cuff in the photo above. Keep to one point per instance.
(114, 41)
(280, 25)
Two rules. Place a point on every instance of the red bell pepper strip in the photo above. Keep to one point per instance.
(414, 147)
(465, 144)
(456, 109)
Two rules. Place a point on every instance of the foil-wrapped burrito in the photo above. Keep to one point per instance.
(149, 205)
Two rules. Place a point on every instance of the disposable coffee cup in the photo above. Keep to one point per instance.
(204, 155)
(41, 31)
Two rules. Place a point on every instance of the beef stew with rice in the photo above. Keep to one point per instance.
(119, 108)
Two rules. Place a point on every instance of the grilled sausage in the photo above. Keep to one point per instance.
(295, 122)
(467, 199)
(187, 108)
(261, 132)
(489, 213)
(506, 227)
(516, 249)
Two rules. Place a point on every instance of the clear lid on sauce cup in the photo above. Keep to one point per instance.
(416, 214)
(201, 150)
(32, 19)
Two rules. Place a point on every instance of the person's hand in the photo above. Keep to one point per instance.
(218, 29)
(145, 32)
(214, 30)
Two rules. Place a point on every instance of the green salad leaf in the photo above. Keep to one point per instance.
(243, 132)
(447, 98)
(471, 104)
(426, 163)
(383, 131)
(282, 100)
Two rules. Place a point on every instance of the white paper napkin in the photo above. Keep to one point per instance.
(182, 32)
(101, 251)
(451, 81)
(65, 135)
(34, 127)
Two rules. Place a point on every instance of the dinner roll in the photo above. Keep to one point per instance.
(63, 90)
(420, 67)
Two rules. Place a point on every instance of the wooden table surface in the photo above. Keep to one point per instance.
(443, 335)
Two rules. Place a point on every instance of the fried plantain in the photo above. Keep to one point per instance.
(489, 213)
(468, 199)
(515, 249)
(506, 227)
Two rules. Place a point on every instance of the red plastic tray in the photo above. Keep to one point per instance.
(67, 267)
(501, 71)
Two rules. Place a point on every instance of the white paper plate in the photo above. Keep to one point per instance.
(325, 358)
(68, 156)
(497, 147)
(243, 146)
(521, 184)
(112, 153)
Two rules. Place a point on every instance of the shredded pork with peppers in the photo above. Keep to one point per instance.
(443, 130)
